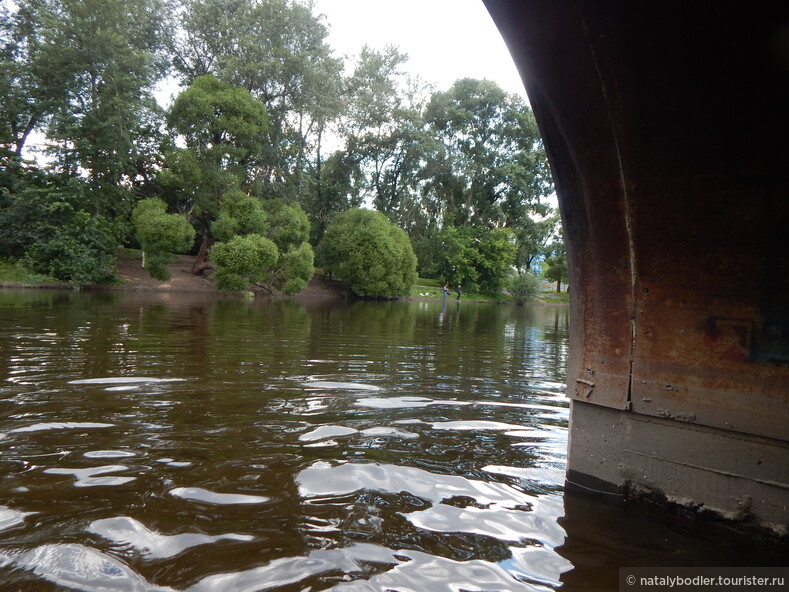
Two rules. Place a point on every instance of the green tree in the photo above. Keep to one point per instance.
(239, 213)
(44, 224)
(277, 50)
(524, 286)
(295, 270)
(370, 253)
(555, 266)
(533, 238)
(287, 224)
(491, 169)
(83, 72)
(284, 225)
(385, 135)
(289, 228)
(378, 123)
(452, 257)
(223, 126)
(222, 123)
(242, 261)
(160, 235)
(335, 189)
(494, 258)
(24, 104)
(479, 259)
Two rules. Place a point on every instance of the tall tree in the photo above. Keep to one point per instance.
(533, 237)
(556, 265)
(477, 258)
(21, 108)
(383, 127)
(83, 72)
(336, 187)
(277, 50)
(223, 126)
(492, 169)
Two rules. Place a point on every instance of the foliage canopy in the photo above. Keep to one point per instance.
(242, 260)
(370, 253)
(524, 287)
(270, 135)
(160, 234)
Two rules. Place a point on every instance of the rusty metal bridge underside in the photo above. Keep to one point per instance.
(667, 127)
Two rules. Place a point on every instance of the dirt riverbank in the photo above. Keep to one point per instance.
(136, 278)
(133, 277)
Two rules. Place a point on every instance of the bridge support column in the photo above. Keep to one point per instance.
(667, 128)
(692, 465)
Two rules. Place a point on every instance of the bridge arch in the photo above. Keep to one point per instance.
(667, 128)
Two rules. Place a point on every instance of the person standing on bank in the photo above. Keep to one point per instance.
(445, 291)
(458, 291)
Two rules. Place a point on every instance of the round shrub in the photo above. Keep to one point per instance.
(524, 287)
(160, 234)
(242, 261)
(375, 257)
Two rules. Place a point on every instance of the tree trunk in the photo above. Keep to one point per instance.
(20, 141)
(201, 264)
(558, 286)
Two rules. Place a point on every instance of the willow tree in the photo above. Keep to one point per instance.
(369, 252)
(160, 235)
(263, 243)
(223, 127)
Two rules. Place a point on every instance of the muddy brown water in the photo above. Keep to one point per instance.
(211, 444)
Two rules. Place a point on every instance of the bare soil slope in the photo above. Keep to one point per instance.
(136, 278)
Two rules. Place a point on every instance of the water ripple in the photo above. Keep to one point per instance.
(322, 480)
(505, 524)
(420, 571)
(78, 567)
(125, 380)
(109, 454)
(206, 496)
(288, 570)
(125, 530)
(467, 425)
(326, 431)
(337, 385)
(61, 425)
(10, 518)
(87, 477)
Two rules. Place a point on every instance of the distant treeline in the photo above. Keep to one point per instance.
(269, 138)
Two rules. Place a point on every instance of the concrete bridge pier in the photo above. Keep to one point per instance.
(667, 128)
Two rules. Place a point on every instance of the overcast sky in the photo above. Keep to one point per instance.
(444, 39)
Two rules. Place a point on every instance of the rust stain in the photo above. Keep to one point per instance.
(729, 339)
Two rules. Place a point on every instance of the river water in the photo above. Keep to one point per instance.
(218, 444)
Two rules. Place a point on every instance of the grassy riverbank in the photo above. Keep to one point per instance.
(131, 276)
(12, 273)
(426, 289)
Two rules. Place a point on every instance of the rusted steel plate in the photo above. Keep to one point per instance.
(675, 222)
